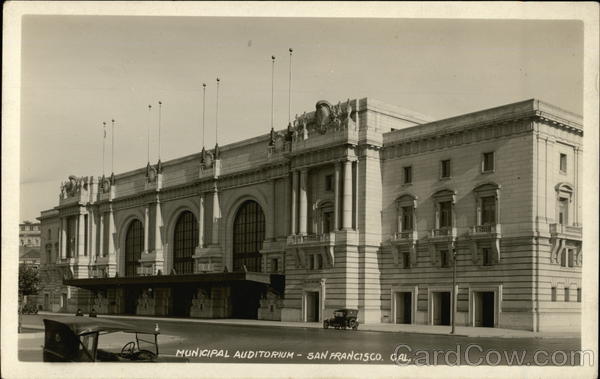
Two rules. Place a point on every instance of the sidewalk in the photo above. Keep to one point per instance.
(462, 331)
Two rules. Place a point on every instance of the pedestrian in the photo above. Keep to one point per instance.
(79, 312)
(93, 313)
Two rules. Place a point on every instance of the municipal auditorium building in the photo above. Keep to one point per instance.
(358, 204)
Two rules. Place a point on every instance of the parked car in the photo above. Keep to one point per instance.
(80, 339)
(342, 319)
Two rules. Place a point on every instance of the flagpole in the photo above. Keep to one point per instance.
(290, 90)
(159, 121)
(103, 146)
(203, 111)
(217, 116)
(272, 91)
(112, 161)
(148, 133)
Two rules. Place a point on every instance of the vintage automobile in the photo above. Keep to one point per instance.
(80, 339)
(342, 319)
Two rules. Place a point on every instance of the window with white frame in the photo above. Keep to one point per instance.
(444, 209)
(567, 295)
(553, 294)
(406, 213)
(564, 196)
(486, 197)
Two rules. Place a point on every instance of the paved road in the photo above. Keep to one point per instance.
(259, 344)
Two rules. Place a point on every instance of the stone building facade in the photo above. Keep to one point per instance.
(356, 205)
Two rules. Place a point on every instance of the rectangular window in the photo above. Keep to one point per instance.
(275, 265)
(329, 183)
(563, 211)
(405, 259)
(445, 214)
(327, 222)
(488, 162)
(49, 234)
(445, 258)
(488, 210)
(408, 175)
(71, 233)
(311, 262)
(445, 168)
(553, 293)
(318, 261)
(570, 257)
(563, 258)
(567, 294)
(487, 256)
(579, 295)
(407, 219)
(563, 163)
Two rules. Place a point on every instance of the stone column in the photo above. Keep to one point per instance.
(112, 251)
(158, 242)
(399, 218)
(347, 221)
(100, 251)
(201, 222)
(146, 229)
(216, 212)
(91, 236)
(63, 237)
(81, 235)
(303, 202)
(336, 203)
(293, 217)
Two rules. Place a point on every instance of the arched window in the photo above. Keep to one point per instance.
(184, 243)
(134, 244)
(248, 236)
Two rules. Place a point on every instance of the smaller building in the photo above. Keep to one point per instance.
(29, 234)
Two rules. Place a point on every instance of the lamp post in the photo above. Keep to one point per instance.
(453, 289)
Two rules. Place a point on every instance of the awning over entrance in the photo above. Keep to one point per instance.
(274, 280)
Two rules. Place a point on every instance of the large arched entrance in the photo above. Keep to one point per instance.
(134, 244)
(248, 236)
(185, 240)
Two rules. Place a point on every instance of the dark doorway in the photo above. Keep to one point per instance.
(131, 298)
(312, 306)
(441, 308)
(403, 307)
(182, 301)
(245, 300)
(484, 309)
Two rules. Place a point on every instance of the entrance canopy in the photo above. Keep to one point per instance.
(274, 280)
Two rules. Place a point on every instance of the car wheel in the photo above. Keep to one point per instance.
(354, 324)
(325, 324)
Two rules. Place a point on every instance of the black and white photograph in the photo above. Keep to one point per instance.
(299, 189)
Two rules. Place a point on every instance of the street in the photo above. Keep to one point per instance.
(220, 343)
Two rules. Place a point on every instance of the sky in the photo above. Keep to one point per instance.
(78, 71)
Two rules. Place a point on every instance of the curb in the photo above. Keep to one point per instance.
(312, 326)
